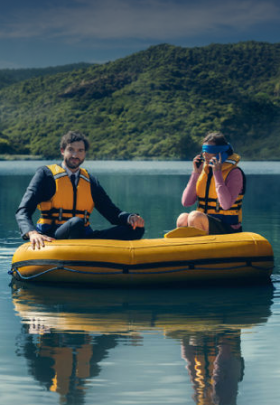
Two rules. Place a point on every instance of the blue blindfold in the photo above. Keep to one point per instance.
(218, 149)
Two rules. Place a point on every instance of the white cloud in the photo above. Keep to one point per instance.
(139, 19)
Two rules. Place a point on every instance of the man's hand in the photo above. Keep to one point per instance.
(38, 240)
(136, 221)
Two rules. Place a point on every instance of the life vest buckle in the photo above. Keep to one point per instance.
(60, 214)
(218, 206)
(85, 217)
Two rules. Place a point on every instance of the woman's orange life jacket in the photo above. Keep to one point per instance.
(208, 202)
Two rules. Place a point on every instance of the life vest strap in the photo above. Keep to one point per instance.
(60, 210)
(215, 199)
(214, 204)
(218, 208)
(56, 214)
(209, 199)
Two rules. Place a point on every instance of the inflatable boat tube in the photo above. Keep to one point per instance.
(171, 261)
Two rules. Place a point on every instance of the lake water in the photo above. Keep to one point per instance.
(121, 347)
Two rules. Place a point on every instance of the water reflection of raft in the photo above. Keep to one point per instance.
(65, 309)
(68, 334)
(173, 261)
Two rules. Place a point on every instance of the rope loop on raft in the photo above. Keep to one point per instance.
(125, 270)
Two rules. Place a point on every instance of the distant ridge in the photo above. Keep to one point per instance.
(10, 76)
(154, 104)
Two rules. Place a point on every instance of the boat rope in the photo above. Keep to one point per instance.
(141, 266)
(11, 272)
(134, 273)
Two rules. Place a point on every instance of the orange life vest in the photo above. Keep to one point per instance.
(207, 196)
(67, 202)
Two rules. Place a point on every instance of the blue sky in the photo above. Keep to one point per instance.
(40, 33)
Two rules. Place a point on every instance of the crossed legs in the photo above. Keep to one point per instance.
(74, 229)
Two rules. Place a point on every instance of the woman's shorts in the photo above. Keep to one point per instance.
(217, 227)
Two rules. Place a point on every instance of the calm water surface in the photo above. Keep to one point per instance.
(199, 346)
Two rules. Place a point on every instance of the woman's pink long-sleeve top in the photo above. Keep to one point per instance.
(227, 191)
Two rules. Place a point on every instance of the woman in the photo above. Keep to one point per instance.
(218, 185)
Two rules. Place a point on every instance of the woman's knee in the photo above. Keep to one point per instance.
(198, 220)
(182, 220)
(194, 215)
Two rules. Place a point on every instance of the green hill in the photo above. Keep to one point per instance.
(157, 104)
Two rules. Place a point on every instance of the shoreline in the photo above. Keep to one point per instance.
(7, 158)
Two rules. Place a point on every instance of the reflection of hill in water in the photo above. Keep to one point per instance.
(105, 311)
(66, 333)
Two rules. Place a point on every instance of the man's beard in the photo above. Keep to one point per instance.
(73, 164)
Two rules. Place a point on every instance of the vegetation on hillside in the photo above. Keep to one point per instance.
(155, 104)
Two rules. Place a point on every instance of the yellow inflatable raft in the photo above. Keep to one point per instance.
(177, 260)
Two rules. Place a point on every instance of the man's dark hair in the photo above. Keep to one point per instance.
(73, 136)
